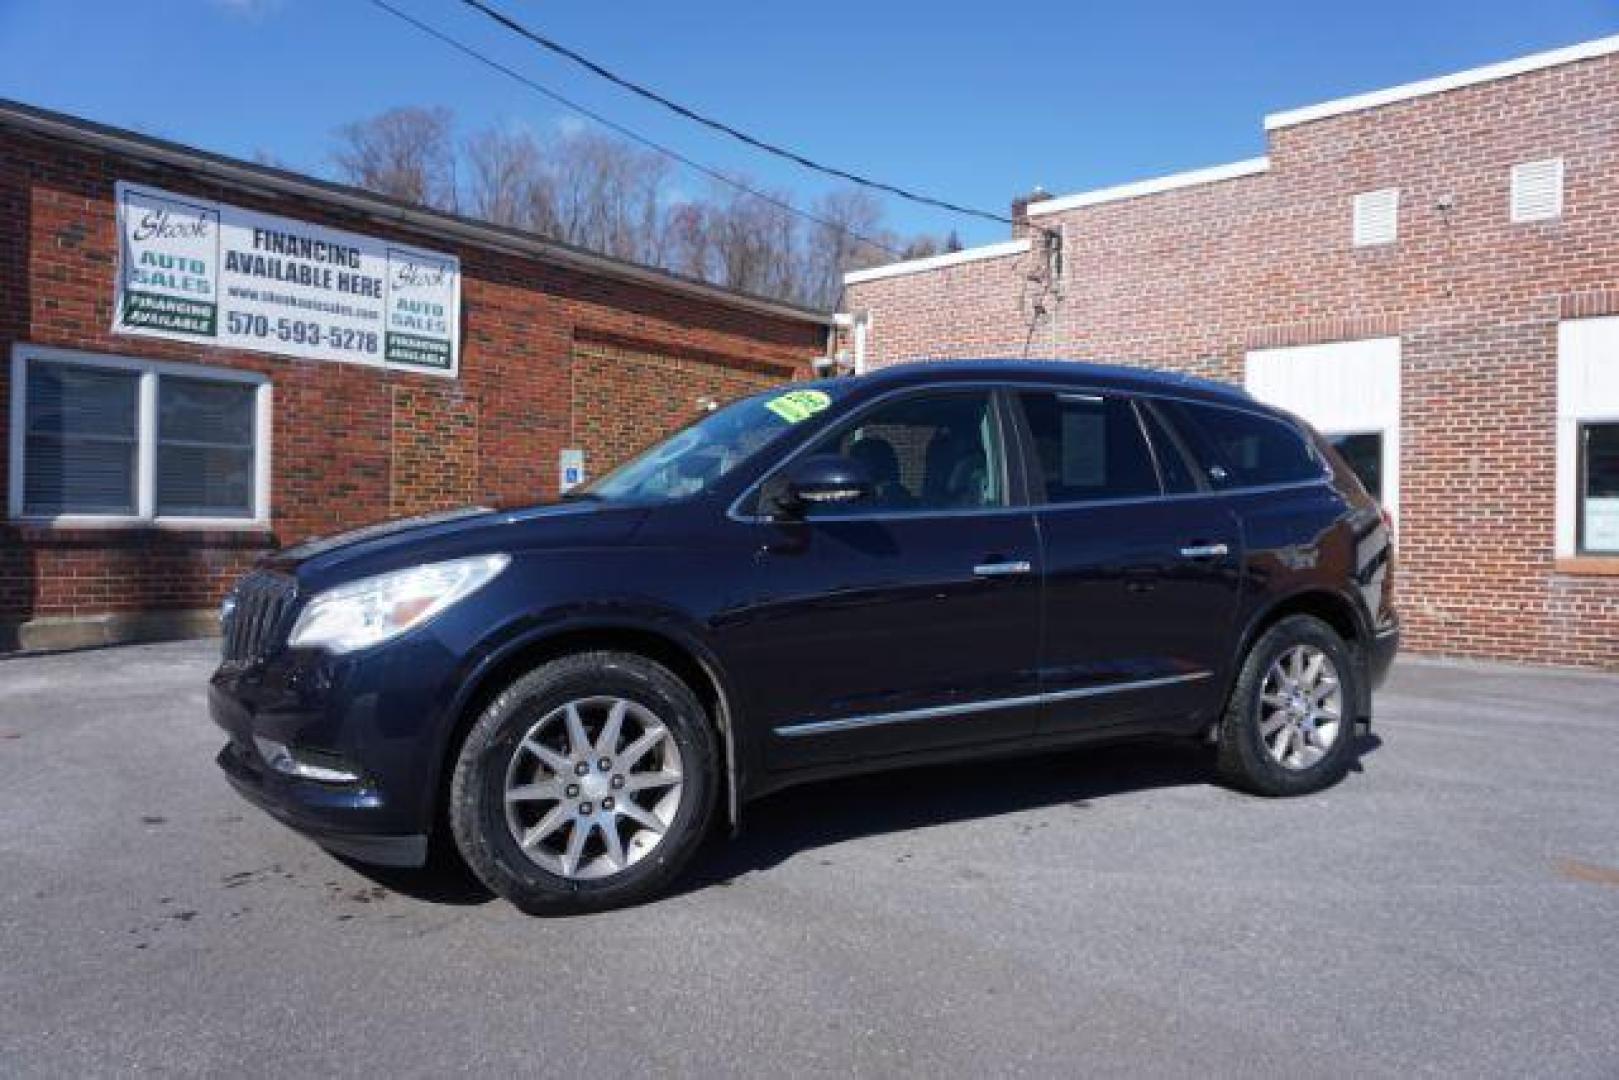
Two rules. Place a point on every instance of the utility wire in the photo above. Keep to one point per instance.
(726, 129)
(620, 129)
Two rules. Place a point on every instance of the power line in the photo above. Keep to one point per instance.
(722, 127)
(620, 129)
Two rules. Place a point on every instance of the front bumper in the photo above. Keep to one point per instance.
(312, 810)
(380, 715)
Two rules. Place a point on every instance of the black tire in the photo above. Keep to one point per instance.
(477, 789)
(1243, 761)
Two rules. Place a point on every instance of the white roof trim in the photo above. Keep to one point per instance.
(937, 262)
(1584, 51)
(1191, 178)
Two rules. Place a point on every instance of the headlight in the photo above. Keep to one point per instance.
(374, 609)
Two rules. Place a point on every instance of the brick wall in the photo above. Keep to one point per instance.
(1191, 279)
(627, 396)
(350, 444)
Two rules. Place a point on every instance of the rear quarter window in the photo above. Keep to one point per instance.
(1236, 448)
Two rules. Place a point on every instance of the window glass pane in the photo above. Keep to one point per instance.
(66, 399)
(204, 448)
(1172, 466)
(1088, 447)
(927, 453)
(1363, 452)
(79, 451)
(204, 411)
(1599, 495)
(1247, 447)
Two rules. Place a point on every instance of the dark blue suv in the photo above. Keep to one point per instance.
(936, 561)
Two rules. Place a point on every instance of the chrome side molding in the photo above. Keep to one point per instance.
(850, 723)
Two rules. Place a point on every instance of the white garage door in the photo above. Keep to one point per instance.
(1350, 391)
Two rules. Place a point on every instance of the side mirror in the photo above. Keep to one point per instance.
(822, 479)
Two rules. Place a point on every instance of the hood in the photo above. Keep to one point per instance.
(473, 530)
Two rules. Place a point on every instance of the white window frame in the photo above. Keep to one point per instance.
(145, 515)
(1587, 393)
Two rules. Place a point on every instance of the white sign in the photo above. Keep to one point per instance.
(194, 270)
(1601, 523)
(570, 469)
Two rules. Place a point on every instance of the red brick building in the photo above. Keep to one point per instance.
(1429, 273)
(174, 328)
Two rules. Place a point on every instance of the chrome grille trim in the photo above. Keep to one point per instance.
(255, 625)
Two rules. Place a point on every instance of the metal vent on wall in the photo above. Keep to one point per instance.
(1377, 217)
(1537, 190)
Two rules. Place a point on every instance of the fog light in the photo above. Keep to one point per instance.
(305, 764)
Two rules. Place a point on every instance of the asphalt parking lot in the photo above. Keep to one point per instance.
(1452, 908)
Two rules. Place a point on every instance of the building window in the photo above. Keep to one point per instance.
(1363, 452)
(1588, 443)
(1598, 512)
(80, 441)
(1537, 190)
(1376, 217)
(99, 439)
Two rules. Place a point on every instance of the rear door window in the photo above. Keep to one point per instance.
(1237, 448)
(1174, 461)
(1087, 447)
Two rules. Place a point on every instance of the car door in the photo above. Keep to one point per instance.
(1141, 564)
(906, 621)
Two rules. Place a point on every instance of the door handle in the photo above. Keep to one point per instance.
(1002, 569)
(1205, 551)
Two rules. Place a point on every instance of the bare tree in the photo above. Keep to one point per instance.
(920, 247)
(506, 178)
(689, 240)
(836, 245)
(607, 195)
(408, 153)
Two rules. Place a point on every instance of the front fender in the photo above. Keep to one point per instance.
(506, 652)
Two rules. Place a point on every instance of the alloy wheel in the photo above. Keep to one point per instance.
(1300, 707)
(593, 787)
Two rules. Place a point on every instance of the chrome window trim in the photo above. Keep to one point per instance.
(850, 723)
(734, 512)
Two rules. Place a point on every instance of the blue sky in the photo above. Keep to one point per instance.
(970, 101)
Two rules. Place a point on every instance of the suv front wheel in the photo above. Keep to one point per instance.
(1289, 726)
(586, 784)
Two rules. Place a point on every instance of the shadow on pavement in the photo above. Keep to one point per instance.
(444, 880)
(830, 812)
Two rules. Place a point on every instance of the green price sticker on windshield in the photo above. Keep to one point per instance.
(797, 406)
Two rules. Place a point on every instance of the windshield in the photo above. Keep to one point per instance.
(694, 458)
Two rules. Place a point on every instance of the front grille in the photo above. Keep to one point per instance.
(255, 623)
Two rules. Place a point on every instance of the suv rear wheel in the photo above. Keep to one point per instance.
(1289, 727)
(586, 784)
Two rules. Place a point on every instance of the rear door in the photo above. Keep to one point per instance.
(905, 622)
(1141, 564)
